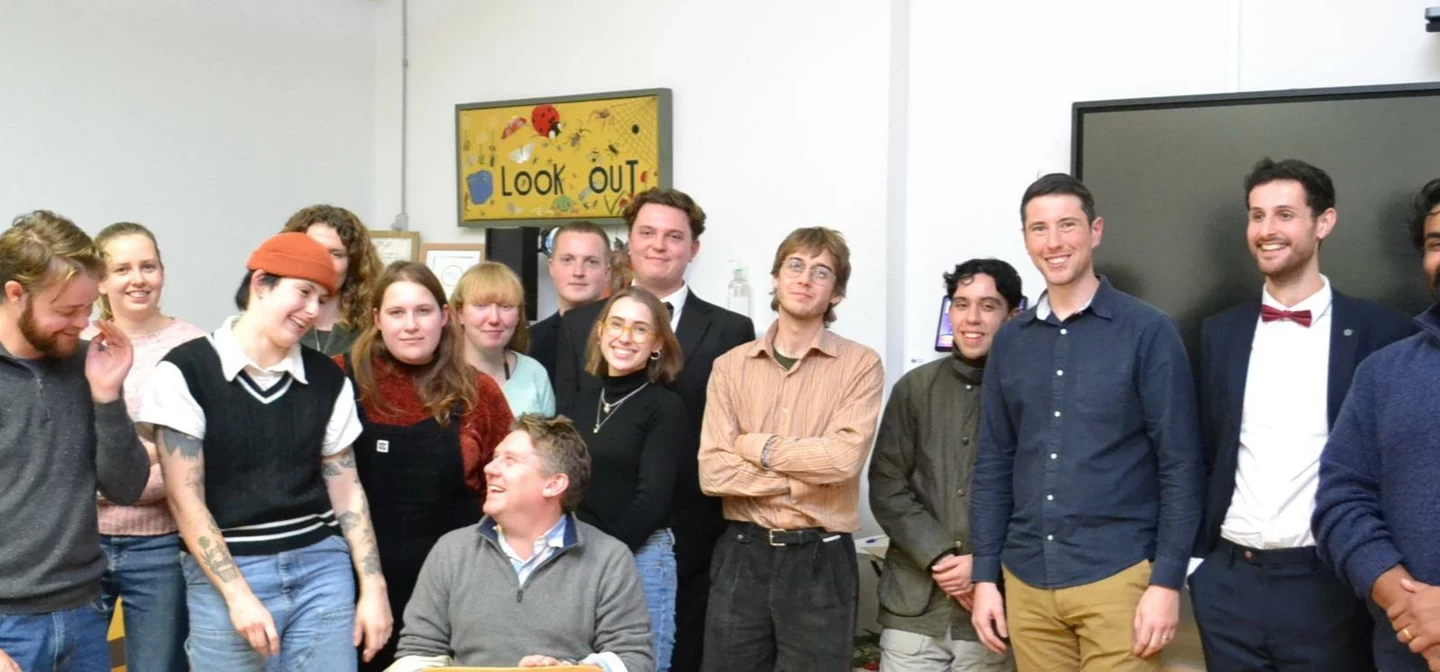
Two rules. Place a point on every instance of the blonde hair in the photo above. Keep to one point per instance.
(494, 282)
(42, 247)
(112, 232)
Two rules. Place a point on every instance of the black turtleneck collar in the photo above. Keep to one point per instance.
(969, 369)
(616, 386)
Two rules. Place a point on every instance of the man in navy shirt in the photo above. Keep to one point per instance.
(1377, 510)
(1087, 485)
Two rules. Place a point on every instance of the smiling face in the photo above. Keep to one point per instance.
(977, 311)
(288, 309)
(661, 247)
(805, 285)
(580, 267)
(627, 336)
(134, 276)
(517, 482)
(411, 322)
(1058, 239)
(1283, 234)
(52, 319)
(340, 257)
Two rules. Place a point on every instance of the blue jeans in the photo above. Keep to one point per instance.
(61, 641)
(145, 573)
(658, 578)
(309, 592)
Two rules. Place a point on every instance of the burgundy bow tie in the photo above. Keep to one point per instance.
(1270, 314)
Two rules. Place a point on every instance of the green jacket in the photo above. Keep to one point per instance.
(920, 492)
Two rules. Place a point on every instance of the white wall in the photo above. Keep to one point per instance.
(780, 116)
(992, 86)
(209, 122)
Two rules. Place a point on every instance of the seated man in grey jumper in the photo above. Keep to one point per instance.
(531, 585)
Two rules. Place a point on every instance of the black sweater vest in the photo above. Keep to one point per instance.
(262, 448)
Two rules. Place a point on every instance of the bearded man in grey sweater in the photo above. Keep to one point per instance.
(531, 585)
(64, 433)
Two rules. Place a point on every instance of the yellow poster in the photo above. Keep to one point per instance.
(562, 158)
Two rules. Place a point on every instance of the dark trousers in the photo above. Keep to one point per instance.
(1277, 610)
(787, 608)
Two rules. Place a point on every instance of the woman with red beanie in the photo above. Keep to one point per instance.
(254, 435)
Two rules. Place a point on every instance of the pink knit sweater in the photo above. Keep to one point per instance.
(150, 516)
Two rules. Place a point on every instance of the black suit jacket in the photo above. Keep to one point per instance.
(706, 332)
(545, 343)
(1357, 328)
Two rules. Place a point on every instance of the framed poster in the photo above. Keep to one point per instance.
(392, 246)
(449, 261)
(525, 162)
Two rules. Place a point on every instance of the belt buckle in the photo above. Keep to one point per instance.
(770, 534)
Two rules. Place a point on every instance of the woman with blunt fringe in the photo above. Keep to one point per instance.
(489, 304)
(141, 541)
(635, 429)
(430, 424)
(348, 242)
(254, 433)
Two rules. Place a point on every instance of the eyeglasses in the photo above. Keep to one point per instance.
(639, 331)
(589, 263)
(820, 275)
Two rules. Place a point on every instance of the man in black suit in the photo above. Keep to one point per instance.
(1273, 374)
(580, 268)
(665, 227)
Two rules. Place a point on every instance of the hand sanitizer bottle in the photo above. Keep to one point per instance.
(738, 298)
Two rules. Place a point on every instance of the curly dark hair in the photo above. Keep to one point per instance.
(364, 266)
(1421, 209)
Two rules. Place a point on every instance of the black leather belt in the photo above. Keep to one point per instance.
(1267, 556)
(800, 537)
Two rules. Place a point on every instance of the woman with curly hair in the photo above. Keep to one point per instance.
(348, 242)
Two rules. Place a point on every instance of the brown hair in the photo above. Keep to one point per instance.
(673, 198)
(446, 384)
(364, 261)
(494, 282)
(562, 450)
(36, 243)
(583, 227)
(661, 370)
(112, 232)
(814, 240)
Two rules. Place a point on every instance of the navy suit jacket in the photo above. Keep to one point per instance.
(706, 332)
(1357, 328)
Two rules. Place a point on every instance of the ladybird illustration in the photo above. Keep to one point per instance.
(546, 120)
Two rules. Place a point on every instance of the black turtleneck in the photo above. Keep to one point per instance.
(633, 456)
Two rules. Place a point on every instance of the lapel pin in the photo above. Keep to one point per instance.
(1348, 332)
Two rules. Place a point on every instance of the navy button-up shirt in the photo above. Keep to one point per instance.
(1089, 458)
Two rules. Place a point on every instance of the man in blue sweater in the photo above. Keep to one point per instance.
(1377, 511)
(64, 433)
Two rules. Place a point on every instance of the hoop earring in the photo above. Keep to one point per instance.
(655, 356)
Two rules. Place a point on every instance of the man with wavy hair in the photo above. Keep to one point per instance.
(64, 433)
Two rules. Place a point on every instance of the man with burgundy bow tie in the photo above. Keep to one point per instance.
(1273, 373)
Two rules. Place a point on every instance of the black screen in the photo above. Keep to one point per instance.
(1168, 179)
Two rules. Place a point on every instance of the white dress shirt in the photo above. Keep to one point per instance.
(1283, 428)
(677, 302)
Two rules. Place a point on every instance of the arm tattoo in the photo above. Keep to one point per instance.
(171, 441)
(331, 468)
(364, 544)
(196, 481)
(214, 555)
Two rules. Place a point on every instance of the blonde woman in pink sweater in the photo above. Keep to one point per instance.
(141, 541)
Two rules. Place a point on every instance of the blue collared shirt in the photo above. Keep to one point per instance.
(1089, 458)
(545, 546)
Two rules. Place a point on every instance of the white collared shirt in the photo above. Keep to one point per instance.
(677, 302)
(167, 400)
(1043, 310)
(1283, 428)
(544, 546)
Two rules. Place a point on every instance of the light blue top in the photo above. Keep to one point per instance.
(528, 390)
(544, 546)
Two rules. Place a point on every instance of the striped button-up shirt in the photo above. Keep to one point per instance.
(821, 413)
